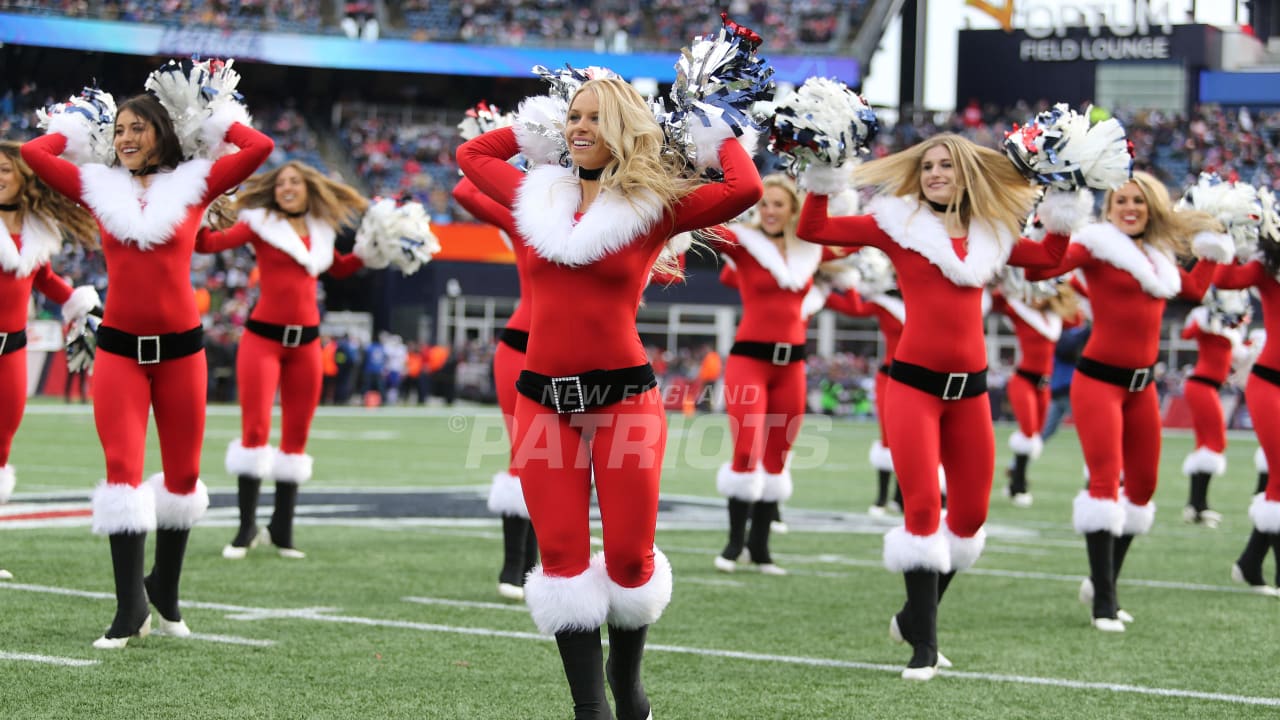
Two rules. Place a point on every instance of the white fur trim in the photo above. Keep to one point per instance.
(680, 243)
(1048, 325)
(567, 603)
(1154, 269)
(547, 201)
(918, 230)
(823, 179)
(942, 480)
(965, 551)
(1265, 514)
(82, 300)
(746, 486)
(1260, 460)
(881, 457)
(40, 242)
(893, 305)
(79, 131)
(1063, 211)
(255, 461)
(178, 512)
(1215, 247)
(291, 467)
(119, 508)
(632, 608)
(792, 272)
(8, 481)
(904, 551)
(707, 140)
(117, 199)
(279, 234)
(1090, 514)
(213, 131)
(1023, 445)
(1138, 519)
(535, 115)
(506, 497)
(814, 300)
(777, 486)
(1204, 460)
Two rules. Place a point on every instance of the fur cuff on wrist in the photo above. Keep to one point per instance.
(82, 300)
(824, 179)
(1064, 212)
(1213, 246)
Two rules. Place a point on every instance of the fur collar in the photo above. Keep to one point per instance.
(1154, 269)
(893, 305)
(279, 234)
(792, 272)
(916, 229)
(545, 206)
(40, 241)
(1048, 324)
(145, 218)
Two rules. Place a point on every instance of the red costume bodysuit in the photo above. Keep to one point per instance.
(1036, 332)
(1216, 346)
(890, 314)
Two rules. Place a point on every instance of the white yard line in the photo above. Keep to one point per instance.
(45, 659)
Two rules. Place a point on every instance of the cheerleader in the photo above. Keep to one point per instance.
(948, 214)
(290, 216)
(148, 204)
(1129, 266)
(589, 404)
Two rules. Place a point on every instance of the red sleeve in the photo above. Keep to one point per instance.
(717, 202)
(729, 277)
(1190, 330)
(50, 285)
(1239, 277)
(231, 170)
(666, 278)
(344, 265)
(212, 241)
(851, 230)
(61, 175)
(850, 303)
(481, 206)
(484, 162)
(1196, 282)
(1074, 257)
(999, 304)
(1045, 254)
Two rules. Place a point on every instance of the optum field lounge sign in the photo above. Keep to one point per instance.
(1115, 30)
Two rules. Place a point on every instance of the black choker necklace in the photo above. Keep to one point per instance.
(586, 174)
(774, 236)
(301, 213)
(148, 170)
(10, 207)
(938, 207)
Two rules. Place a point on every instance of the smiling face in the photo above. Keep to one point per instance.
(582, 132)
(938, 175)
(776, 210)
(135, 141)
(1128, 210)
(291, 191)
(11, 181)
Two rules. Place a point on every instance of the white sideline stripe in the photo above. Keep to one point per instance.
(231, 639)
(46, 659)
(520, 608)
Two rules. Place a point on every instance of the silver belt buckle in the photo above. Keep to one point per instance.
(782, 353)
(4, 340)
(947, 394)
(1140, 379)
(292, 336)
(572, 384)
(148, 341)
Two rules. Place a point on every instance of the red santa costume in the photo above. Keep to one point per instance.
(151, 355)
(506, 498)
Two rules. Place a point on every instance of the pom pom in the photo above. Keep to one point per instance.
(1235, 205)
(565, 83)
(88, 122)
(481, 119)
(822, 122)
(82, 344)
(875, 271)
(201, 99)
(1215, 247)
(1227, 308)
(83, 299)
(395, 235)
(1059, 148)
(539, 129)
(1269, 211)
(1063, 212)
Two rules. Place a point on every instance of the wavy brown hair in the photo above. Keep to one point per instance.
(168, 153)
(54, 208)
(1167, 229)
(334, 203)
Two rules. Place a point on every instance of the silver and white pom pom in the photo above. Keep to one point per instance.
(1061, 149)
(1269, 226)
(875, 271)
(481, 119)
(539, 129)
(398, 235)
(197, 95)
(823, 121)
(1235, 205)
(88, 122)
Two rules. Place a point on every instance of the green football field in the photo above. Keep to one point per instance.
(394, 613)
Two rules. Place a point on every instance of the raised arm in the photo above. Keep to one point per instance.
(61, 175)
(1046, 254)
(210, 241)
(850, 303)
(1239, 277)
(231, 170)
(1074, 257)
(717, 202)
(344, 265)
(1196, 283)
(850, 230)
(482, 207)
(483, 161)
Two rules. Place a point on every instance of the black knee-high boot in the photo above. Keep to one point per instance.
(1262, 483)
(897, 495)
(739, 510)
(1101, 548)
(944, 581)
(1255, 551)
(918, 620)
(583, 660)
(882, 487)
(530, 553)
(281, 525)
(1018, 474)
(758, 538)
(1199, 497)
(128, 556)
(515, 531)
(249, 486)
(626, 651)
(1275, 547)
(162, 583)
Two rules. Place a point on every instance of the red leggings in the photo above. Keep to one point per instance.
(927, 430)
(1030, 405)
(1263, 399)
(1206, 415)
(124, 392)
(264, 365)
(13, 398)
(1119, 432)
(765, 404)
(507, 364)
(623, 444)
(882, 387)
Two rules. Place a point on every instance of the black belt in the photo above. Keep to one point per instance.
(1040, 381)
(884, 368)
(1206, 381)
(150, 349)
(13, 342)
(581, 392)
(290, 336)
(517, 339)
(1131, 379)
(948, 386)
(1271, 375)
(776, 353)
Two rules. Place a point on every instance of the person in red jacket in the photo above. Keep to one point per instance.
(149, 204)
(1218, 327)
(33, 219)
(290, 216)
(948, 214)
(1128, 263)
(589, 406)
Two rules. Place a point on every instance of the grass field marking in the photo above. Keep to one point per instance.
(1115, 687)
(520, 608)
(46, 659)
(232, 639)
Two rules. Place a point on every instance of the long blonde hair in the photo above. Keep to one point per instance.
(334, 203)
(1167, 229)
(988, 187)
(54, 208)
